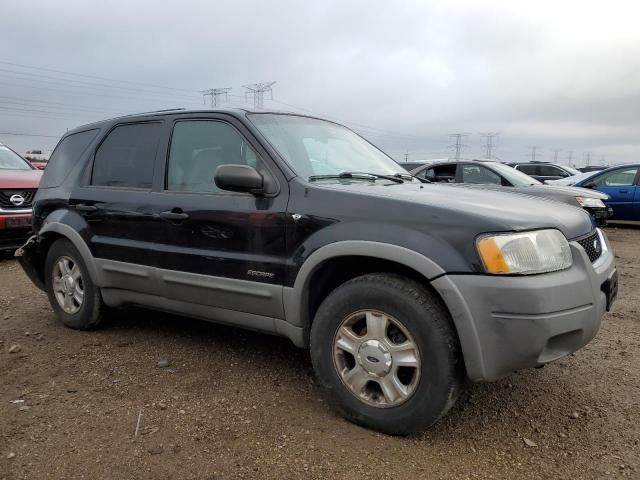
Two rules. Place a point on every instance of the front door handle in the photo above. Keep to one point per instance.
(623, 191)
(174, 214)
(85, 208)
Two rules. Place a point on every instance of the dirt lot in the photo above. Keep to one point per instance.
(234, 404)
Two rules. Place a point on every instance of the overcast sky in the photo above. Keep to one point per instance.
(558, 75)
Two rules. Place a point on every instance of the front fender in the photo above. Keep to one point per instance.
(296, 299)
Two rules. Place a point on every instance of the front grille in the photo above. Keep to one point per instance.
(27, 195)
(593, 246)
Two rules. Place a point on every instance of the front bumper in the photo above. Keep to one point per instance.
(600, 214)
(15, 228)
(510, 323)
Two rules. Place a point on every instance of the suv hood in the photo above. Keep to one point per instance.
(10, 179)
(473, 206)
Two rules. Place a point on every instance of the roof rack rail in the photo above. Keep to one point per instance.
(157, 111)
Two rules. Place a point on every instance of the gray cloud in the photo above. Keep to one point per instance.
(405, 73)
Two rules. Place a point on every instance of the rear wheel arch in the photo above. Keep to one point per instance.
(53, 231)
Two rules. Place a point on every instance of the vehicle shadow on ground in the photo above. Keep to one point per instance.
(630, 225)
(511, 401)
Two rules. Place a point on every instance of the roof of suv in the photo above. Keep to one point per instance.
(236, 111)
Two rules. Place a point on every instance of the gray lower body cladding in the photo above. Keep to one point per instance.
(510, 323)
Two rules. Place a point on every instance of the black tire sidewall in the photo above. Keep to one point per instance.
(427, 322)
(88, 315)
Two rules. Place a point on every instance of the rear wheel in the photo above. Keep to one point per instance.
(72, 294)
(386, 354)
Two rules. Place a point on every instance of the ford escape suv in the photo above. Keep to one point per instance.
(298, 227)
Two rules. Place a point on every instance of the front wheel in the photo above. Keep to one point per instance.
(386, 354)
(72, 294)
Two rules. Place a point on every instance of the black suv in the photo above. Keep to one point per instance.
(298, 227)
(543, 171)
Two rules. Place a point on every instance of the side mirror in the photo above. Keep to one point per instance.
(589, 185)
(239, 178)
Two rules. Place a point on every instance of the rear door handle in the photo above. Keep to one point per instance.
(85, 208)
(174, 214)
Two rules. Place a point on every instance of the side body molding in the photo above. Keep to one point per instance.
(296, 298)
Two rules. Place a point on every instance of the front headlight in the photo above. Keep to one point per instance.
(524, 253)
(590, 202)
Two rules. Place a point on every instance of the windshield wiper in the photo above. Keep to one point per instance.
(410, 176)
(357, 175)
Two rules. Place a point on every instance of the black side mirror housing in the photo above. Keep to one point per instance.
(589, 185)
(239, 178)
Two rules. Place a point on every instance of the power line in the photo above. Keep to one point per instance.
(21, 134)
(458, 145)
(556, 153)
(65, 82)
(258, 90)
(488, 146)
(95, 77)
(215, 93)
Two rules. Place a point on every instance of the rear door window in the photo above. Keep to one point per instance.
(442, 173)
(480, 175)
(551, 171)
(66, 154)
(528, 169)
(127, 156)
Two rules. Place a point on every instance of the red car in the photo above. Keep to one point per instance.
(19, 181)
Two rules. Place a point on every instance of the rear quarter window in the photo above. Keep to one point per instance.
(65, 156)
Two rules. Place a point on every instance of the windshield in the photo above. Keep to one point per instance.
(515, 177)
(315, 147)
(9, 160)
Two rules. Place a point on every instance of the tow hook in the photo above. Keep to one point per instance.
(30, 243)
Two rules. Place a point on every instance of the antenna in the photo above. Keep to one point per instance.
(258, 90)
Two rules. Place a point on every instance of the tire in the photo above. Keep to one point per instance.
(414, 316)
(84, 315)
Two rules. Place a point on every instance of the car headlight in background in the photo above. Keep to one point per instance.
(524, 253)
(590, 202)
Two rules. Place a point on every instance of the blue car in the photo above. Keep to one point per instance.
(622, 184)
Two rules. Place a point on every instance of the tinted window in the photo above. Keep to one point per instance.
(528, 169)
(551, 171)
(198, 147)
(618, 178)
(66, 154)
(479, 175)
(126, 157)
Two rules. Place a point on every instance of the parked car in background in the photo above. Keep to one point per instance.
(498, 176)
(18, 184)
(592, 168)
(37, 158)
(408, 166)
(299, 227)
(622, 185)
(543, 171)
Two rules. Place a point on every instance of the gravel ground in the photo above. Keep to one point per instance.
(235, 404)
